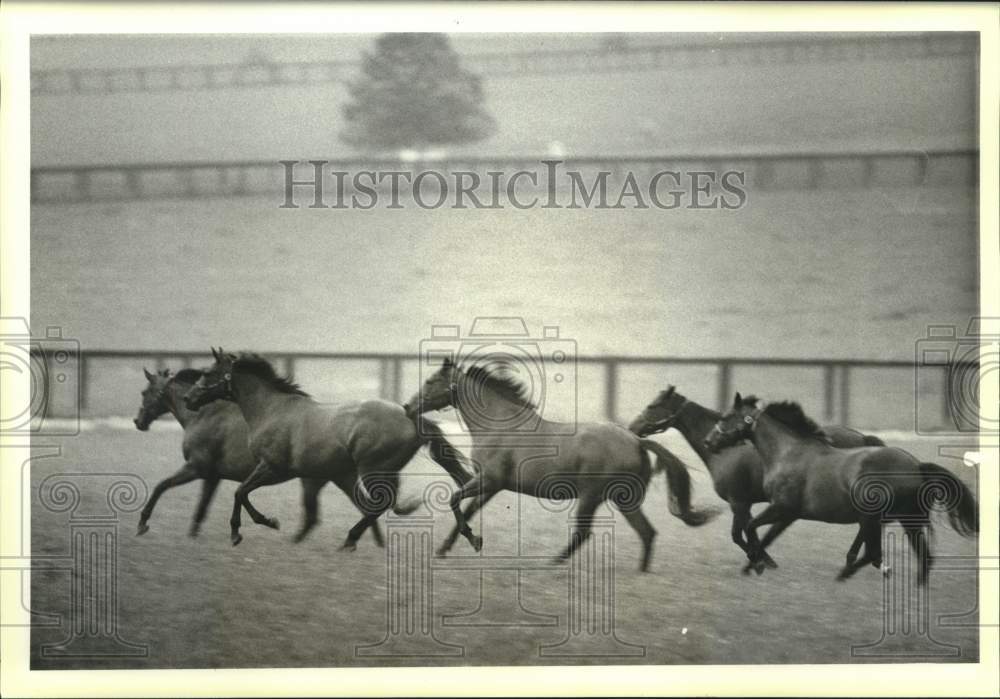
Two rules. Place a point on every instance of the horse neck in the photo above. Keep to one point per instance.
(254, 396)
(495, 404)
(695, 422)
(772, 439)
(175, 403)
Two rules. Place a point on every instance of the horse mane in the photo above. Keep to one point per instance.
(504, 384)
(792, 416)
(256, 365)
(187, 375)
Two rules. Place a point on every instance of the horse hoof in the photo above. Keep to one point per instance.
(193, 532)
(441, 553)
(886, 570)
(349, 546)
(143, 528)
(477, 543)
(559, 560)
(272, 522)
(769, 562)
(236, 539)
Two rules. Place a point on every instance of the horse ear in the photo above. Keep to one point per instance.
(448, 364)
(149, 377)
(738, 401)
(670, 390)
(215, 354)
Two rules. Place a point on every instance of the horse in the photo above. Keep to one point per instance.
(362, 444)
(516, 449)
(805, 477)
(737, 473)
(214, 447)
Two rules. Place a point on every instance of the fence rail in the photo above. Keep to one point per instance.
(837, 400)
(764, 171)
(617, 54)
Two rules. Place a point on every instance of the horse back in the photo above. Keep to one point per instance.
(596, 455)
(359, 434)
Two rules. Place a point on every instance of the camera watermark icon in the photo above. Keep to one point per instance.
(957, 365)
(41, 376)
(537, 376)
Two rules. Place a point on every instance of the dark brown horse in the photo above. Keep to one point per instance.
(291, 435)
(737, 473)
(592, 463)
(805, 477)
(215, 443)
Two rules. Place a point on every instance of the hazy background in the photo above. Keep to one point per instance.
(837, 272)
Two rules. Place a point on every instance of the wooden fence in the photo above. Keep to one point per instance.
(764, 172)
(620, 54)
(387, 369)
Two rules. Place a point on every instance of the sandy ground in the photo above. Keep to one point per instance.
(200, 603)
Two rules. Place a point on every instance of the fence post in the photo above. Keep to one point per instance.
(828, 389)
(725, 386)
(397, 380)
(845, 394)
(82, 373)
(611, 390)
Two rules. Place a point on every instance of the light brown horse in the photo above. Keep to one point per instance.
(805, 477)
(737, 473)
(215, 444)
(291, 435)
(516, 449)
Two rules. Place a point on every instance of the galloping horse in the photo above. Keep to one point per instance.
(516, 449)
(737, 473)
(291, 435)
(214, 447)
(807, 478)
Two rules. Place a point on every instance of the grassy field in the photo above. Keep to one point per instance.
(200, 603)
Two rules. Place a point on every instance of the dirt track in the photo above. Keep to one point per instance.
(202, 603)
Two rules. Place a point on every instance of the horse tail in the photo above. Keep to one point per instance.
(870, 440)
(441, 450)
(678, 485)
(964, 515)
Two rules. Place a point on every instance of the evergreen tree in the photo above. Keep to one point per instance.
(414, 93)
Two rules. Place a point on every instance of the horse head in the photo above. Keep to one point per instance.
(736, 425)
(437, 392)
(154, 398)
(660, 415)
(216, 382)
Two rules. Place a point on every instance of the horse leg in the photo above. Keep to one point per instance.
(310, 504)
(646, 532)
(259, 476)
(852, 553)
(771, 514)
(473, 488)
(470, 509)
(741, 518)
(186, 474)
(871, 531)
(773, 533)
(347, 485)
(208, 487)
(372, 509)
(921, 549)
(584, 520)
